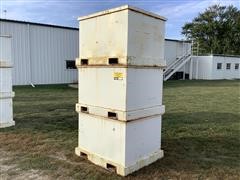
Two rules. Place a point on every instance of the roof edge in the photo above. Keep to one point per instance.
(219, 55)
(38, 24)
(6, 36)
(177, 40)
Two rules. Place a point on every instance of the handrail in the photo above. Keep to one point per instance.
(168, 74)
(179, 59)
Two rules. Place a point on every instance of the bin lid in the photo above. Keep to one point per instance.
(121, 8)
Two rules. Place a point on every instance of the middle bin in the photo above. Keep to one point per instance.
(119, 92)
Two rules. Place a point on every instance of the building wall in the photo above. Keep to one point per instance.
(205, 67)
(174, 49)
(39, 53)
(202, 67)
(224, 73)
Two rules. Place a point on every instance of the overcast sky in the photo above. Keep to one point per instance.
(65, 12)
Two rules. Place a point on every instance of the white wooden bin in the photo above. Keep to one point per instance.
(120, 88)
(6, 94)
(126, 146)
(134, 36)
(131, 93)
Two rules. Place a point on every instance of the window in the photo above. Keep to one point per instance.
(228, 66)
(219, 65)
(70, 64)
(236, 66)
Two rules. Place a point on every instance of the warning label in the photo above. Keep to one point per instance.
(118, 76)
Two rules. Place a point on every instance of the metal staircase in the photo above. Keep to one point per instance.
(176, 65)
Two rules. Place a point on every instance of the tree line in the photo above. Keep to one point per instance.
(215, 31)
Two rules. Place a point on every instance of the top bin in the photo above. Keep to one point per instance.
(123, 36)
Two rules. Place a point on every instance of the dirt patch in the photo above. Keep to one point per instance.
(10, 171)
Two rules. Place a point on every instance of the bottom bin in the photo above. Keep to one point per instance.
(6, 110)
(123, 146)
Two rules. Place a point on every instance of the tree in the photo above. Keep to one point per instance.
(216, 31)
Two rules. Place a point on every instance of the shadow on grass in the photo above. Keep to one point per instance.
(194, 142)
(194, 155)
(201, 118)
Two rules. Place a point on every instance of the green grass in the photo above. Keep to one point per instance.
(201, 133)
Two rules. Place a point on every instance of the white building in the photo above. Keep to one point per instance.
(174, 50)
(45, 54)
(42, 54)
(215, 67)
(182, 65)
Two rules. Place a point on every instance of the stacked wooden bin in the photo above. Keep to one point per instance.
(120, 88)
(6, 93)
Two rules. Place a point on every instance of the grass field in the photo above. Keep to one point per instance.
(201, 134)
